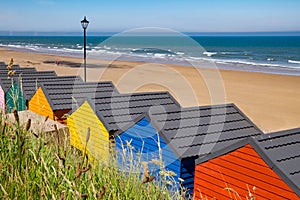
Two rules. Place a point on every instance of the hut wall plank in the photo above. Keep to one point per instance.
(15, 94)
(2, 100)
(145, 145)
(39, 104)
(188, 173)
(79, 122)
(237, 170)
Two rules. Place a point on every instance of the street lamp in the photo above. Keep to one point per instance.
(84, 24)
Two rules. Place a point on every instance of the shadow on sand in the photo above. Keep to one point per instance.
(78, 65)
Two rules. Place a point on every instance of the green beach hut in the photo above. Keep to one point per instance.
(14, 96)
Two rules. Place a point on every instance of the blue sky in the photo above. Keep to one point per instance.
(181, 15)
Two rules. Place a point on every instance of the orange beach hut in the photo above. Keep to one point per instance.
(267, 166)
(55, 100)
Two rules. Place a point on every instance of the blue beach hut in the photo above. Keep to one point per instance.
(179, 136)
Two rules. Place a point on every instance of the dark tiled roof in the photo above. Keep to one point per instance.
(17, 69)
(6, 83)
(30, 84)
(3, 71)
(199, 131)
(64, 96)
(280, 150)
(28, 73)
(3, 66)
(119, 110)
(283, 151)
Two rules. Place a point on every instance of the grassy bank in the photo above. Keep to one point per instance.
(34, 166)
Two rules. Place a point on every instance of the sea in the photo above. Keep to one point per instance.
(267, 54)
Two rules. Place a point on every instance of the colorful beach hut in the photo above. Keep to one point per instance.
(25, 88)
(6, 82)
(14, 96)
(3, 82)
(56, 100)
(179, 137)
(108, 114)
(269, 163)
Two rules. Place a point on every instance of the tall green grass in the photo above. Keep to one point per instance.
(44, 166)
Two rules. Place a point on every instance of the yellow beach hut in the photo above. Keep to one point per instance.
(108, 114)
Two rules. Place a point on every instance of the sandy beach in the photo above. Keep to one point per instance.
(272, 102)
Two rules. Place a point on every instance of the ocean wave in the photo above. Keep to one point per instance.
(294, 61)
(198, 58)
(106, 47)
(180, 53)
(240, 63)
(165, 56)
(259, 64)
(159, 55)
(152, 51)
(249, 63)
(209, 54)
(14, 46)
(71, 50)
(231, 53)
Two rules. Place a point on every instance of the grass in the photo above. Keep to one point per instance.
(34, 166)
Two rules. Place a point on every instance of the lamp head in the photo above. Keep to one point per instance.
(84, 23)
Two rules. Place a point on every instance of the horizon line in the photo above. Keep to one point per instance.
(189, 33)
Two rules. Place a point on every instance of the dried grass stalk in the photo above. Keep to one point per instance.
(3, 128)
(16, 115)
(46, 119)
(88, 135)
(102, 192)
(28, 125)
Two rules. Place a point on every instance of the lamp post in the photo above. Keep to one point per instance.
(84, 24)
